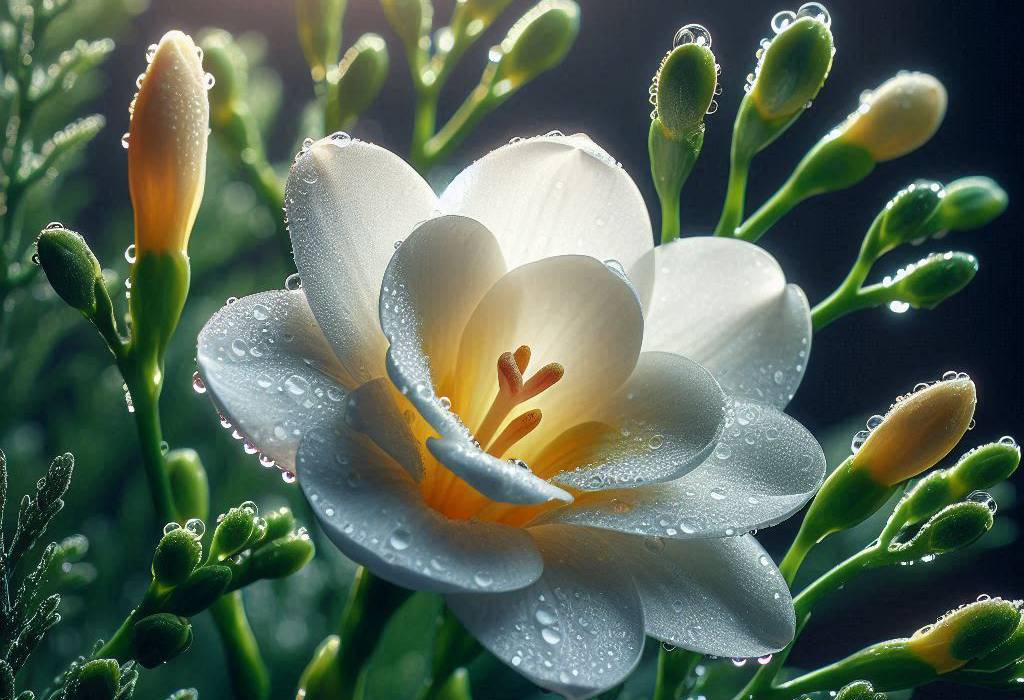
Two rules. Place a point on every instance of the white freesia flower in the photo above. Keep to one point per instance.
(527, 407)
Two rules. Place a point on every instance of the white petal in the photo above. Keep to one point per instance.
(271, 372)
(498, 479)
(554, 195)
(577, 631)
(723, 597)
(572, 310)
(764, 469)
(371, 409)
(348, 203)
(725, 304)
(374, 513)
(663, 421)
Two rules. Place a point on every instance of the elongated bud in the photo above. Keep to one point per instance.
(931, 280)
(918, 431)
(411, 20)
(359, 78)
(319, 24)
(1007, 652)
(970, 203)
(199, 591)
(954, 527)
(235, 530)
(159, 638)
(278, 559)
(99, 679)
(279, 523)
(537, 42)
(685, 84)
(472, 17)
(321, 680)
(792, 68)
(71, 268)
(897, 117)
(167, 146)
(177, 554)
(981, 468)
(190, 489)
(859, 690)
(909, 215)
(964, 634)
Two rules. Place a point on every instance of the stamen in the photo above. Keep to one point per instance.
(515, 431)
(512, 390)
(522, 356)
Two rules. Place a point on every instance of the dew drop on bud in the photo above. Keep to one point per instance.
(692, 34)
(781, 20)
(171, 527)
(196, 527)
(151, 52)
(1008, 440)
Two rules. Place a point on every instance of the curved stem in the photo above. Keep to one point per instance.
(249, 677)
(798, 551)
(145, 396)
(670, 224)
(476, 106)
(777, 206)
(735, 195)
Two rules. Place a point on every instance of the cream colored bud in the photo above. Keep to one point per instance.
(918, 431)
(166, 143)
(897, 117)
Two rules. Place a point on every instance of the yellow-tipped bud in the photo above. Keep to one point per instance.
(167, 145)
(897, 117)
(918, 431)
(964, 634)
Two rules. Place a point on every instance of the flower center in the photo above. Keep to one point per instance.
(514, 389)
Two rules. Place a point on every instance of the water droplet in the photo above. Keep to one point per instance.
(718, 493)
(899, 307)
(293, 282)
(545, 616)
(1008, 440)
(209, 81)
(984, 498)
(551, 635)
(288, 477)
(815, 10)
(124, 140)
(445, 402)
(764, 660)
(250, 507)
(482, 579)
(874, 421)
(129, 253)
(782, 19)
(171, 527)
(400, 539)
(739, 662)
(197, 383)
(692, 34)
(195, 526)
(656, 442)
(151, 52)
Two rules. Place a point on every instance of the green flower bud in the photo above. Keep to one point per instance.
(954, 527)
(279, 523)
(966, 633)
(472, 17)
(859, 690)
(986, 466)
(70, 266)
(684, 86)
(159, 638)
(848, 497)
(791, 70)
(1007, 652)
(199, 591)
(177, 554)
(537, 42)
(184, 694)
(235, 531)
(411, 20)
(319, 24)
(226, 62)
(908, 215)
(359, 78)
(190, 490)
(322, 678)
(278, 559)
(932, 280)
(94, 680)
(970, 203)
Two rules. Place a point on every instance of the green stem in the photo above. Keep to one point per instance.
(454, 647)
(371, 601)
(673, 669)
(850, 296)
(777, 206)
(669, 218)
(249, 677)
(798, 551)
(735, 195)
(145, 395)
(467, 116)
(424, 124)
(119, 646)
(760, 686)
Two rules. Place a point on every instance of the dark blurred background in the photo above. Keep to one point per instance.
(858, 365)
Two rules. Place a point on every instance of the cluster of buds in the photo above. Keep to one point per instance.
(945, 511)
(244, 548)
